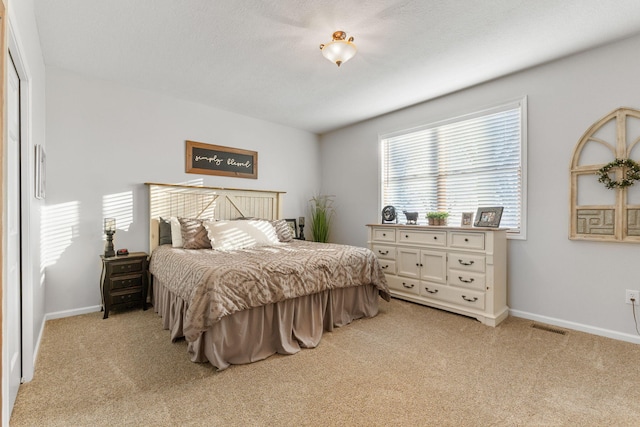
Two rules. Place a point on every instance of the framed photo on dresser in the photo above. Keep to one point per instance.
(488, 217)
(467, 219)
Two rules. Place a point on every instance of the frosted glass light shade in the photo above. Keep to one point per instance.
(339, 51)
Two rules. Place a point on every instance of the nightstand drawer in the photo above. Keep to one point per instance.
(127, 266)
(124, 298)
(126, 281)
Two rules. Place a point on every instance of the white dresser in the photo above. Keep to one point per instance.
(462, 270)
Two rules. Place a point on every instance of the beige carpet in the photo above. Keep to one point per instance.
(410, 366)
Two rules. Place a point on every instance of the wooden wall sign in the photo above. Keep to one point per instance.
(218, 160)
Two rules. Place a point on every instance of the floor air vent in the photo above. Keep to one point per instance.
(548, 329)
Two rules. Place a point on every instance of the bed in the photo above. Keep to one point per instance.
(245, 302)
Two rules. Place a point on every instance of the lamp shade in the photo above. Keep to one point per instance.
(109, 225)
(339, 50)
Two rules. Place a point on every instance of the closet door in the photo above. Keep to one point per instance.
(13, 267)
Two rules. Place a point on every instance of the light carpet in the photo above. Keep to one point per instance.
(409, 366)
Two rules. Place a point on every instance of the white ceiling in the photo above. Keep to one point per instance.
(261, 58)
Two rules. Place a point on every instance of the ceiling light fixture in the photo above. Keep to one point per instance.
(339, 50)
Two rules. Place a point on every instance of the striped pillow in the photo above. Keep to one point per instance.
(282, 230)
(194, 235)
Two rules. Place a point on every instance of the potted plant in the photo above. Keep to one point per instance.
(321, 207)
(437, 218)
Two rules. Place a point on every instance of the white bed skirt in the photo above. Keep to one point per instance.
(255, 334)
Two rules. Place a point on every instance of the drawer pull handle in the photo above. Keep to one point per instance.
(384, 234)
(474, 299)
(406, 236)
(465, 281)
(383, 253)
(435, 237)
(465, 263)
(384, 267)
(430, 291)
(407, 286)
(466, 240)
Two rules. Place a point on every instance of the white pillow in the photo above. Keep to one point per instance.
(230, 235)
(176, 232)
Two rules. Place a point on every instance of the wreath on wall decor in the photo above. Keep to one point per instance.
(632, 173)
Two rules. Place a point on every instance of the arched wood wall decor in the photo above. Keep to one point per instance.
(597, 212)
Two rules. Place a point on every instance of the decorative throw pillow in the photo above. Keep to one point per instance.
(231, 235)
(165, 231)
(176, 232)
(282, 230)
(194, 235)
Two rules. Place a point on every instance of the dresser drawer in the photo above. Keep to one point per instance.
(466, 240)
(388, 266)
(403, 284)
(462, 297)
(467, 279)
(128, 266)
(431, 290)
(467, 262)
(431, 238)
(384, 235)
(126, 281)
(384, 252)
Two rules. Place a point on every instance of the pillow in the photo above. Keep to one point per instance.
(194, 235)
(283, 231)
(231, 235)
(176, 232)
(165, 231)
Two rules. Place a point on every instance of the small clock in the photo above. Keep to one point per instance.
(389, 214)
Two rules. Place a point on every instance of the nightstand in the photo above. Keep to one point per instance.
(124, 281)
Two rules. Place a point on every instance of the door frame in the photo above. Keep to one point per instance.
(27, 186)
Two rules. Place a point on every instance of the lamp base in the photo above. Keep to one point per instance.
(109, 250)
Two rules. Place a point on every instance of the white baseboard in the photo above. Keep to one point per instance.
(74, 312)
(635, 339)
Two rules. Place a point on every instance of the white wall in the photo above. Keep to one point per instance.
(104, 139)
(575, 284)
(24, 44)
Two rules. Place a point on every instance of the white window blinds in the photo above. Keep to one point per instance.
(459, 165)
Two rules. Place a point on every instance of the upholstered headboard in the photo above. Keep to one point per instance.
(167, 200)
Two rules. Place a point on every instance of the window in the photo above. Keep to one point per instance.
(458, 165)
